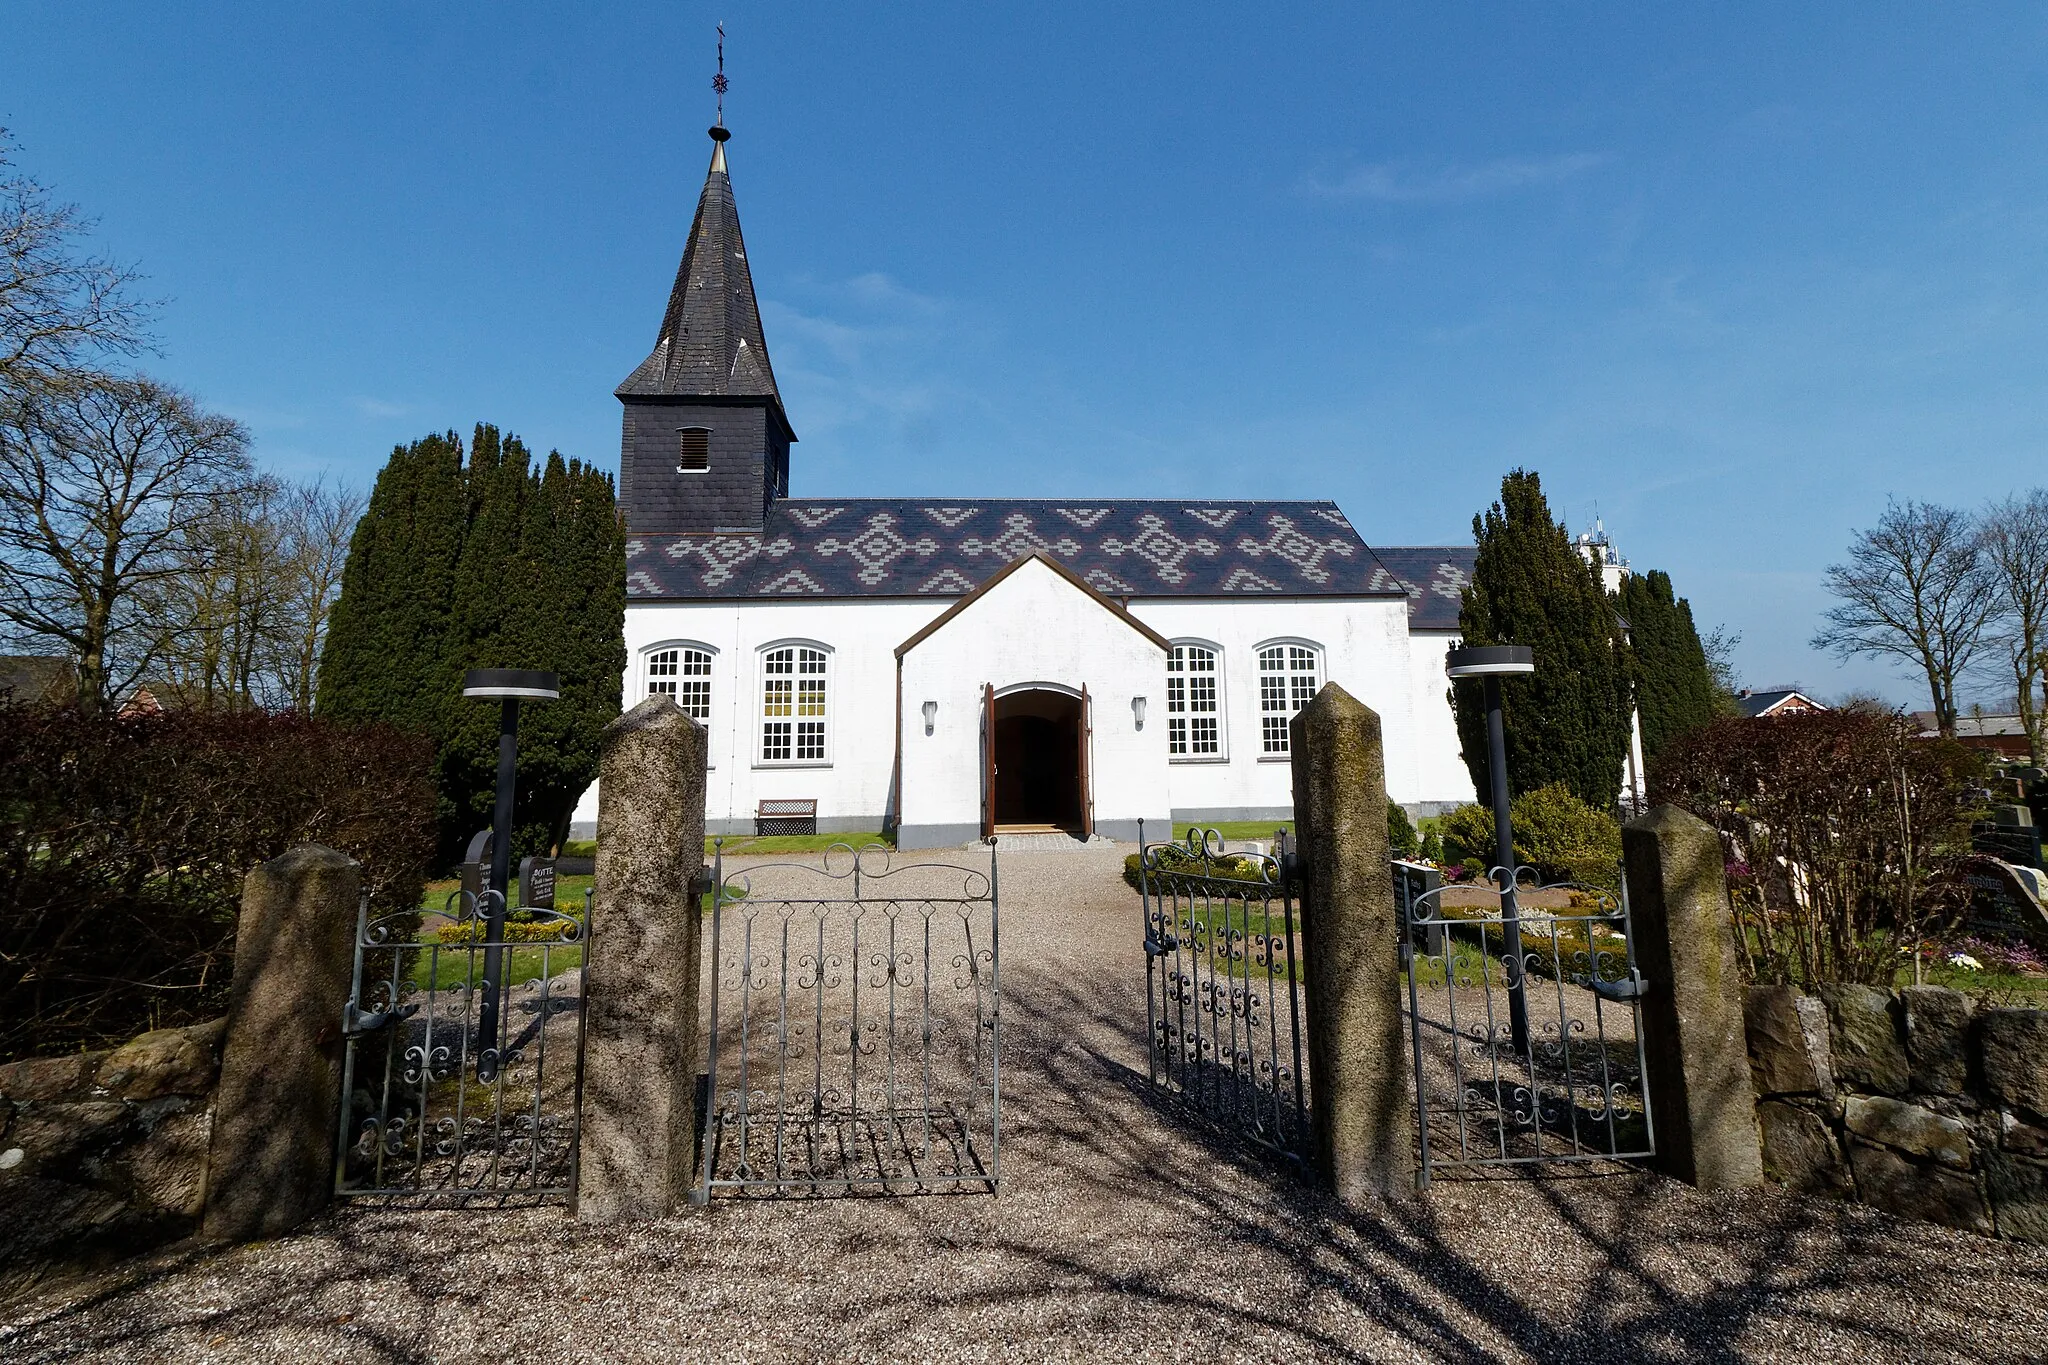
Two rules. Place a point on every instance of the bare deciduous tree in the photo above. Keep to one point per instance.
(2014, 537)
(320, 521)
(1915, 589)
(101, 480)
(59, 307)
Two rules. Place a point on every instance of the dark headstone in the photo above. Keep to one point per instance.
(1800, 1152)
(1937, 1038)
(2003, 905)
(537, 883)
(1864, 1039)
(2015, 1052)
(476, 867)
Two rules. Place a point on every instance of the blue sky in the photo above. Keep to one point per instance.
(1732, 276)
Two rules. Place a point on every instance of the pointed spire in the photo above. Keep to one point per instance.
(710, 343)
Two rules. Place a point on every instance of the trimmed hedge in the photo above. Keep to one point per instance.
(124, 844)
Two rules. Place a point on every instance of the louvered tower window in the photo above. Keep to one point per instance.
(694, 455)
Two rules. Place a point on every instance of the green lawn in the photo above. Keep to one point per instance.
(1230, 829)
(795, 843)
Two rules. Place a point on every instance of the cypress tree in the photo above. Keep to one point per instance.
(1675, 689)
(1569, 722)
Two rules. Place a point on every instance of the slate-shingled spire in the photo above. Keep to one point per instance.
(704, 445)
(710, 343)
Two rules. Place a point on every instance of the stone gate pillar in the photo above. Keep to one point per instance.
(636, 1156)
(1361, 1126)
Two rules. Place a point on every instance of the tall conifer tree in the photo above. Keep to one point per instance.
(1569, 722)
(1675, 690)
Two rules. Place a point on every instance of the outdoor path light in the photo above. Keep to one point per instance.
(1492, 663)
(509, 686)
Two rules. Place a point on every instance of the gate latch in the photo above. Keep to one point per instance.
(354, 1023)
(1635, 988)
(1160, 947)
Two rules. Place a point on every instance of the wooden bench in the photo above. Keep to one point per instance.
(786, 815)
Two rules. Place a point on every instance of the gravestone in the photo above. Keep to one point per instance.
(476, 867)
(2004, 903)
(537, 883)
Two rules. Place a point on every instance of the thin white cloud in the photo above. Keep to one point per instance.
(377, 407)
(1395, 182)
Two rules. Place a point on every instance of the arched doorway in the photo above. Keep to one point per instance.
(1038, 761)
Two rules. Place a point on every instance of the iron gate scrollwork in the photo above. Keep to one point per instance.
(1523, 1058)
(855, 1028)
(430, 1107)
(1222, 983)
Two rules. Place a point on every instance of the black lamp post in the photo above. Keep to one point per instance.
(508, 686)
(1492, 663)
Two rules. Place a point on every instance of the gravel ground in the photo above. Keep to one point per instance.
(1121, 1231)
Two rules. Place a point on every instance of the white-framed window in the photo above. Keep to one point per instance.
(682, 671)
(1194, 702)
(794, 704)
(693, 450)
(1289, 673)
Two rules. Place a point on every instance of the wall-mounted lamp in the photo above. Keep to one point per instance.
(1138, 712)
(931, 714)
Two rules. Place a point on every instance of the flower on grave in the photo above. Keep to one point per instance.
(1965, 961)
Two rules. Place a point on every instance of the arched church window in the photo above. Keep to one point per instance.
(1288, 674)
(694, 456)
(682, 672)
(1193, 714)
(793, 704)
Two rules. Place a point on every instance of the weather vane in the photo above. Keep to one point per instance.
(718, 81)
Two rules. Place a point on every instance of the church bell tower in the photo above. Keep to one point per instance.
(705, 442)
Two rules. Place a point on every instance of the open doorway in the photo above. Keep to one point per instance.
(1037, 777)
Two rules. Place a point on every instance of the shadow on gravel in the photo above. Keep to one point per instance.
(1123, 1220)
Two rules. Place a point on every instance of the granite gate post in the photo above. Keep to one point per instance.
(1361, 1129)
(1696, 1050)
(270, 1161)
(639, 1127)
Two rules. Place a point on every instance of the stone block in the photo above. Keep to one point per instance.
(1779, 1063)
(165, 1062)
(1813, 1021)
(1909, 1128)
(1914, 1189)
(167, 1170)
(2025, 1138)
(2018, 1186)
(2014, 1052)
(1863, 1039)
(1799, 1151)
(271, 1155)
(1361, 1124)
(1693, 1036)
(641, 1012)
(54, 1139)
(49, 1078)
(1937, 1039)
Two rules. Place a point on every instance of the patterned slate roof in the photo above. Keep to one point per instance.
(1433, 576)
(886, 547)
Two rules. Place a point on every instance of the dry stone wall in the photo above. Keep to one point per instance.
(103, 1154)
(1911, 1101)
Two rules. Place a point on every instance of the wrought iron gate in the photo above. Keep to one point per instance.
(1526, 1026)
(431, 1108)
(855, 1028)
(1223, 984)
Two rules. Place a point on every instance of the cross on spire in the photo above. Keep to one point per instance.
(718, 82)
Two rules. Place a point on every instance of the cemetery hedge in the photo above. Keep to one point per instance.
(1844, 835)
(124, 843)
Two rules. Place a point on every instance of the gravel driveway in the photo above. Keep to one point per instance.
(1121, 1232)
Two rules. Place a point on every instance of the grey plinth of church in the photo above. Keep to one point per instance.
(1694, 1043)
(1361, 1127)
(271, 1156)
(646, 932)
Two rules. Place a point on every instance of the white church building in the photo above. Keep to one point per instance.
(946, 667)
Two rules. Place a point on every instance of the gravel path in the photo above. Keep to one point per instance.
(1121, 1232)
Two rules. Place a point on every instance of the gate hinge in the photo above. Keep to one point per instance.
(700, 884)
(1635, 988)
(354, 1023)
(1160, 947)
